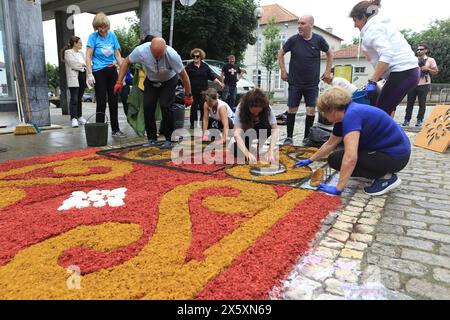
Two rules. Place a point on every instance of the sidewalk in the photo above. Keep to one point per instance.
(391, 247)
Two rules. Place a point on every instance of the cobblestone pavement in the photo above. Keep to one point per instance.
(392, 247)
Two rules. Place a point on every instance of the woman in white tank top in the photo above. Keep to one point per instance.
(217, 114)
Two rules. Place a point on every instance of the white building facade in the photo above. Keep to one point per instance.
(288, 26)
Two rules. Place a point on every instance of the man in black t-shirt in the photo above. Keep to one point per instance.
(304, 72)
(230, 76)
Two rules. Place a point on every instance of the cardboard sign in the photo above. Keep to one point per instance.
(435, 134)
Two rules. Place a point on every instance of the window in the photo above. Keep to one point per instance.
(5, 85)
(279, 84)
(360, 69)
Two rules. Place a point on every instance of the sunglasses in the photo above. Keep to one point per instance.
(421, 49)
(195, 56)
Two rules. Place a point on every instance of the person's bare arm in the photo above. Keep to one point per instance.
(351, 142)
(281, 62)
(186, 82)
(330, 58)
(123, 69)
(89, 54)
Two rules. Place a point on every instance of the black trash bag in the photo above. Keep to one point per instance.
(178, 108)
(317, 137)
(282, 119)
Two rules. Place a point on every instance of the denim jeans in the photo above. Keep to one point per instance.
(229, 95)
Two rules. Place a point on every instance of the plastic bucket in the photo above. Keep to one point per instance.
(360, 97)
(178, 114)
(96, 133)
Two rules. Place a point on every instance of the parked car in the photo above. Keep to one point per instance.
(243, 85)
(88, 97)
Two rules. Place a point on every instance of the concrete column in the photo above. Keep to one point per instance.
(63, 34)
(28, 41)
(151, 17)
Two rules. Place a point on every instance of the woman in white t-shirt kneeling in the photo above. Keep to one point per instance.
(217, 114)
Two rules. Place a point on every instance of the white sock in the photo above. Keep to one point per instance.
(387, 176)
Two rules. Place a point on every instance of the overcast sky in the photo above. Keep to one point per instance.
(406, 14)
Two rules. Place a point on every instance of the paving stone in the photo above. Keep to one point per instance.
(402, 266)
(440, 228)
(351, 254)
(406, 208)
(331, 243)
(318, 271)
(335, 286)
(442, 275)
(346, 276)
(371, 215)
(427, 219)
(352, 213)
(444, 250)
(358, 204)
(429, 205)
(401, 201)
(338, 235)
(303, 290)
(326, 297)
(389, 228)
(429, 235)
(374, 209)
(440, 213)
(377, 202)
(438, 199)
(370, 222)
(354, 209)
(347, 219)
(364, 229)
(384, 250)
(353, 245)
(359, 237)
(427, 258)
(394, 214)
(405, 223)
(404, 241)
(326, 253)
(343, 226)
(428, 290)
(390, 279)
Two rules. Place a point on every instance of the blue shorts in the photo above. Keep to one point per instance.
(296, 93)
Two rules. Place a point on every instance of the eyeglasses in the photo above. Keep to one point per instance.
(195, 56)
(421, 49)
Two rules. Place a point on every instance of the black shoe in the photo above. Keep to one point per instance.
(192, 127)
(419, 123)
(288, 142)
(119, 134)
(150, 143)
(405, 123)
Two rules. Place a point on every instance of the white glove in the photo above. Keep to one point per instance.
(90, 81)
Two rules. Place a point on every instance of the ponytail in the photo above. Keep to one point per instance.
(70, 45)
(366, 9)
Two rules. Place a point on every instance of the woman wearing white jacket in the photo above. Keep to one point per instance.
(75, 62)
(389, 53)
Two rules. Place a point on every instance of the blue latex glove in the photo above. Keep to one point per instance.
(303, 163)
(329, 189)
(371, 88)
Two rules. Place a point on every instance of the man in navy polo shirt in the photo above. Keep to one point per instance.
(304, 72)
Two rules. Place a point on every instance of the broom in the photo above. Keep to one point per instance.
(27, 100)
(22, 128)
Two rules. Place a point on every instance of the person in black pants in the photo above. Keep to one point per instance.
(428, 68)
(164, 67)
(103, 50)
(304, 73)
(75, 63)
(199, 73)
(230, 76)
(375, 147)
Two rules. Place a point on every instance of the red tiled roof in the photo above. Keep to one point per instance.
(279, 13)
(347, 53)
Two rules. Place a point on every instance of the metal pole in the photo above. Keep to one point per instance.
(172, 18)
(257, 56)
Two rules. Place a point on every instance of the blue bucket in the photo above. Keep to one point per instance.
(360, 97)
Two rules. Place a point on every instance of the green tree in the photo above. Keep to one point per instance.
(272, 45)
(220, 28)
(52, 76)
(436, 36)
(128, 37)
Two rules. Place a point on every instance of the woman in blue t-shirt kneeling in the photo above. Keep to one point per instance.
(375, 145)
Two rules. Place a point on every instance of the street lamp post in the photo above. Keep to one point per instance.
(259, 12)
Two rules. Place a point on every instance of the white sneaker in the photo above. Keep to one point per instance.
(82, 121)
(74, 123)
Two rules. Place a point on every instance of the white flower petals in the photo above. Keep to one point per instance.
(98, 199)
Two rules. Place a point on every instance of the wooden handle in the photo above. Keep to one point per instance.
(19, 96)
(25, 86)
